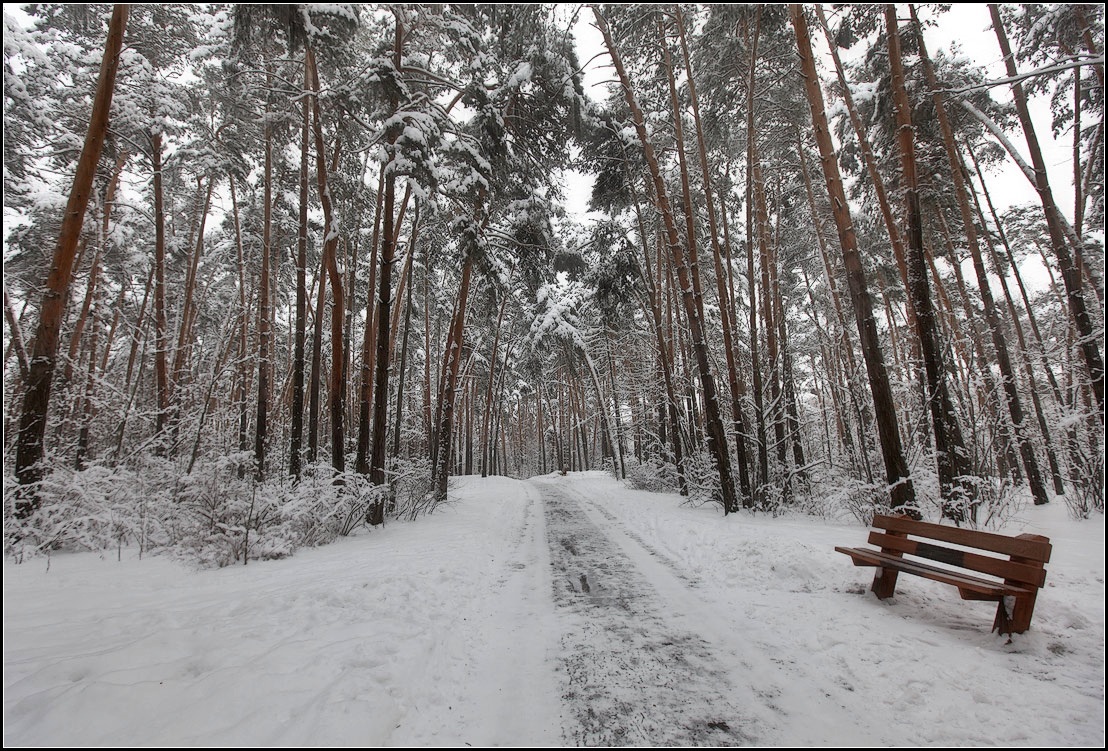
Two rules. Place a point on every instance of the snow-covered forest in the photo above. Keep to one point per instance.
(325, 263)
(277, 275)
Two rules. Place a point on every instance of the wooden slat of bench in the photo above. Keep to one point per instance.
(964, 582)
(1020, 572)
(1032, 550)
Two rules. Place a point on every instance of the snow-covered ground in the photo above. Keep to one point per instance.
(556, 611)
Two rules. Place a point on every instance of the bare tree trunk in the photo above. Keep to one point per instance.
(403, 373)
(296, 439)
(330, 262)
(902, 493)
(755, 358)
(791, 411)
(452, 358)
(261, 425)
(1036, 403)
(188, 309)
(17, 337)
(717, 435)
(161, 337)
(1015, 408)
(844, 343)
(1070, 268)
(242, 381)
(36, 398)
(957, 488)
(486, 444)
(369, 340)
(428, 426)
(94, 271)
(1006, 459)
(653, 296)
(767, 258)
(87, 409)
(726, 309)
(136, 339)
(375, 514)
(314, 381)
(878, 183)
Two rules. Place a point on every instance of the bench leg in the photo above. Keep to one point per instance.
(884, 582)
(1019, 619)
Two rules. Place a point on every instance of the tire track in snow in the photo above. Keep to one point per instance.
(634, 672)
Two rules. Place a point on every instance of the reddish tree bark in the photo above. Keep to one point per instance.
(36, 400)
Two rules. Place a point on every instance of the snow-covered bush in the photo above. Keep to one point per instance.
(216, 515)
(96, 509)
(995, 502)
(864, 500)
(1085, 489)
(702, 479)
(222, 519)
(412, 494)
(656, 477)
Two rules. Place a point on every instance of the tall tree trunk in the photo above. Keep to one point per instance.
(1006, 459)
(1036, 402)
(486, 443)
(717, 435)
(36, 397)
(1071, 273)
(665, 358)
(137, 338)
(1008, 383)
(94, 271)
(403, 372)
(452, 358)
(161, 336)
(755, 358)
(314, 381)
(17, 337)
(767, 258)
(791, 411)
(261, 425)
(296, 439)
(242, 381)
(369, 339)
(957, 489)
(726, 309)
(330, 262)
(188, 308)
(901, 490)
(384, 306)
(844, 343)
(876, 180)
(87, 408)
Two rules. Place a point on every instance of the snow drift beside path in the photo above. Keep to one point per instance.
(921, 668)
(398, 636)
(445, 632)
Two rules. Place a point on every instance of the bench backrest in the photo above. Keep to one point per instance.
(1027, 553)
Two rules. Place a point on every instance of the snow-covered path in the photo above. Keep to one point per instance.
(638, 670)
(473, 626)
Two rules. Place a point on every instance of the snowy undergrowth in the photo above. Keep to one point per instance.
(217, 515)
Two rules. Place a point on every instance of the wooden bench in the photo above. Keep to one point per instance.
(1018, 578)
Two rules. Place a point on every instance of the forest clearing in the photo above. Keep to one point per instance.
(326, 324)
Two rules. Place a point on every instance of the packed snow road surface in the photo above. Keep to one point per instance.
(638, 670)
(556, 611)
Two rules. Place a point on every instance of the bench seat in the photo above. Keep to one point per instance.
(980, 589)
(1018, 577)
